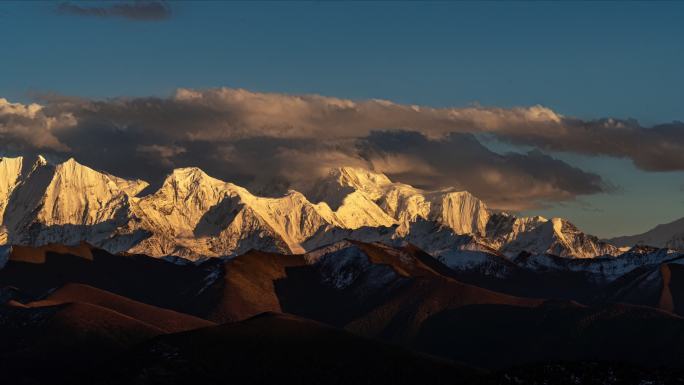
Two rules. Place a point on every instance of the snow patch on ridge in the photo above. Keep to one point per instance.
(344, 265)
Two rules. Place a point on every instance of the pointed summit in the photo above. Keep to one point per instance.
(538, 236)
(98, 182)
(41, 161)
(184, 177)
(190, 184)
(66, 203)
(31, 164)
(185, 172)
(185, 197)
(342, 181)
(360, 179)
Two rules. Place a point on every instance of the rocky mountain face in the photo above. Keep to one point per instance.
(194, 215)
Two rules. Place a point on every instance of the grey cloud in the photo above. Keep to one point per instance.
(163, 153)
(229, 114)
(511, 181)
(658, 148)
(135, 10)
(29, 126)
(275, 141)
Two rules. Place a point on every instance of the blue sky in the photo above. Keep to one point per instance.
(581, 59)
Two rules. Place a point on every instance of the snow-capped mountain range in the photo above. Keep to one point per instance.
(194, 215)
(670, 235)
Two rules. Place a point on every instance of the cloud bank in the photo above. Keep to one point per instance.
(30, 126)
(135, 10)
(273, 141)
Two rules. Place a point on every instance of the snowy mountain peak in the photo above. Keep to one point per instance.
(194, 215)
(343, 181)
(190, 178)
(188, 172)
(559, 237)
(71, 162)
(462, 212)
(360, 178)
(664, 235)
(71, 174)
(79, 195)
(40, 161)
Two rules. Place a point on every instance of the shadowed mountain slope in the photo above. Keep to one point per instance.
(60, 343)
(36, 272)
(167, 320)
(275, 348)
(500, 336)
(660, 286)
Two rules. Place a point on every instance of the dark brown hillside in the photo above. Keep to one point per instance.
(275, 348)
(499, 336)
(39, 254)
(35, 272)
(59, 343)
(659, 286)
(401, 315)
(248, 286)
(167, 320)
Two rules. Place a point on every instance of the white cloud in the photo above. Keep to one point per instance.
(29, 125)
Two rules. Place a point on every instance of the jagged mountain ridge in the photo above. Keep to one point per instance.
(194, 215)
